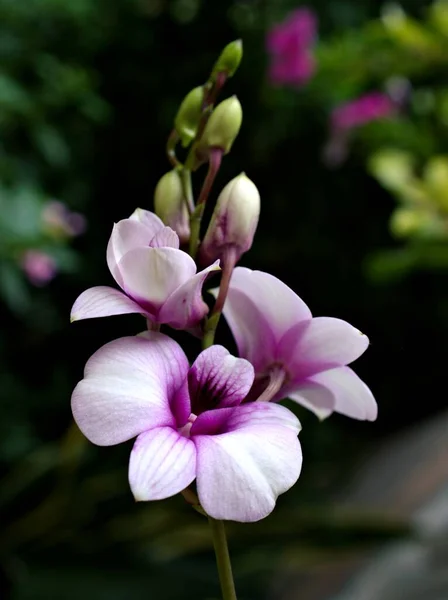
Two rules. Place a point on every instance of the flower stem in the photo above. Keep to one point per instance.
(185, 176)
(229, 259)
(196, 216)
(222, 559)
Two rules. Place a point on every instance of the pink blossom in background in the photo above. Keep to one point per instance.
(290, 47)
(362, 110)
(190, 424)
(39, 267)
(58, 220)
(306, 357)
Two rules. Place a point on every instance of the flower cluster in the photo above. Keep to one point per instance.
(216, 428)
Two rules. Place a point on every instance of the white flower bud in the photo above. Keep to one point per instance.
(234, 220)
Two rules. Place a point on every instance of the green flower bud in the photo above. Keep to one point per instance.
(188, 116)
(223, 126)
(234, 220)
(229, 59)
(170, 206)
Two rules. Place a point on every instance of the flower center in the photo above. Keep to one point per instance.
(185, 430)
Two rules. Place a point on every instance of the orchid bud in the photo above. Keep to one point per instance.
(234, 220)
(229, 59)
(170, 206)
(223, 126)
(188, 116)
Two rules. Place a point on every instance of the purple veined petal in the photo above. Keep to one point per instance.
(326, 342)
(162, 464)
(165, 238)
(353, 398)
(218, 380)
(242, 471)
(127, 235)
(151, 221)
(103, 301)
(127, 388)
(151, 275)
(314, 396)
(259, 310)
(184, 308)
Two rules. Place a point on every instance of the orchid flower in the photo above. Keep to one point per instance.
(158, 280)
(294, 354)
(190, 425)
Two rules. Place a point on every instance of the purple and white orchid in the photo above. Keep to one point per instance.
(294, 354)
(191, 424)
(158, 280)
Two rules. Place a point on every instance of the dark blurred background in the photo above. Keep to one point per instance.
(353, 218)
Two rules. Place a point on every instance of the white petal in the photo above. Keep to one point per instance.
(162, 464)
(103, 301)
(260, 309)
(353, 398)
(242, 471)
(127, 388)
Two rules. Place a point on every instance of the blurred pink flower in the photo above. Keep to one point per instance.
(369, 107)
(59, 221)
(289, 45)
(39, 267)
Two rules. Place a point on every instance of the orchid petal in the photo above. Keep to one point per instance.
(353, 398)
(103, 301)
(162, 464)
(151, 221)
(165, 238)
(242, 470)
(218, 380)
(326, 342)
(151, 275)
(127, 388)
(314, 396)
(259, 310)
(126, 235)
(185, 307)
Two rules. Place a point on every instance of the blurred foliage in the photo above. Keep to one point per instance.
(88, 93)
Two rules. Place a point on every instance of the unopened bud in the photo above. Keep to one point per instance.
(170, 205)
(229, 59)
(223, 126)
(188, 116)
(234, 220)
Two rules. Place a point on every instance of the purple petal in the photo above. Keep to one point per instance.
(162, 464)
(185, 307)
(127, 388)
(314, 396)
(324, 343)
(151, 275)
(126, 235)
(165, 238)
(103, 301)
(353, 398)
(218, 380)
(241, 471)
(260, 309)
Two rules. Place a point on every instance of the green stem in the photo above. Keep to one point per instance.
(196, 216)
(185, 176)
(222, 559)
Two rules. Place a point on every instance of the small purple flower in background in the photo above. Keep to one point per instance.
(39, 267)
(158, 280)
(290, 48)
(369, 107)
(294, 354)
(59, 221)
(190, 425)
